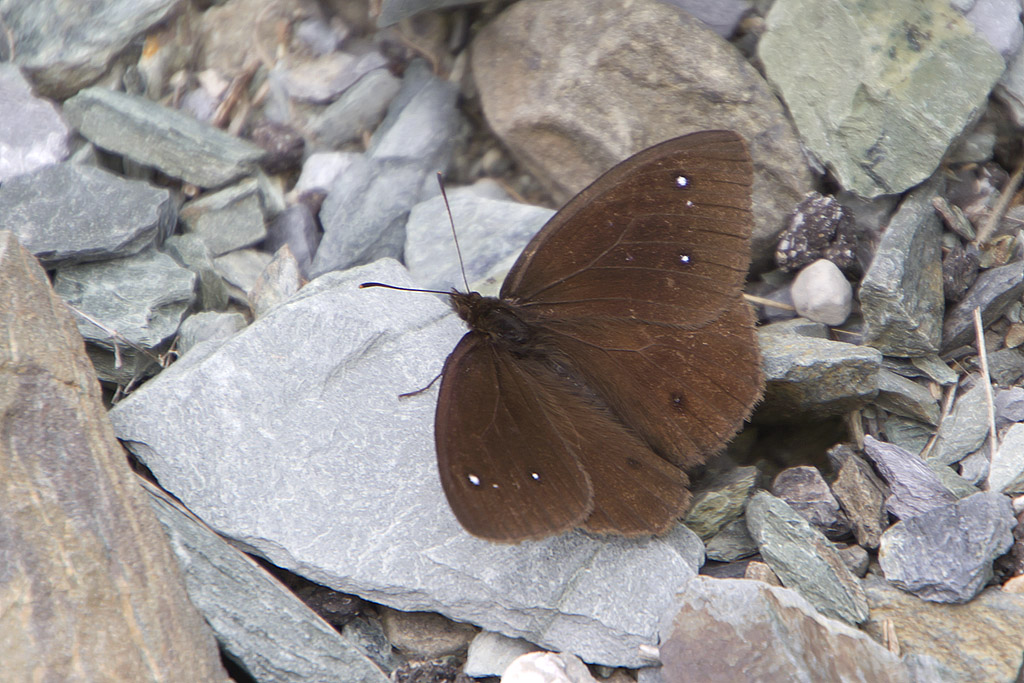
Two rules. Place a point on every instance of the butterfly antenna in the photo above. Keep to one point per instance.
(444, 196)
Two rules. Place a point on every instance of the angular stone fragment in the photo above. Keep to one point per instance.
(804, 559)
(166, 139)
(945, 554)
(89, 587)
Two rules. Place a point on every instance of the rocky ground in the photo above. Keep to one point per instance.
(197, 189)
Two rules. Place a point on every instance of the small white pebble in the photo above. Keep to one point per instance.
(821, 293)
(547, 667)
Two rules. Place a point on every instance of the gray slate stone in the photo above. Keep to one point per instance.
(945, 554)
(208, 326)
(91, 590)
(1006, 473)
(257, 620)
(804, 489)
(992, 292)
(421, 121)
(810, 376)
(742, 630)
(190, 251)
(296, 227)
(151, 294)
(720, 499)
(914, 487)
(67, 44)
(365, 212)
(908, 434)
(804, 559)
(881, 125)
(490, 231)
(33, 134)
(901, 293)
(964, 430)
(153, 135)
(1008, 405)
(935, 369)
(66, 214)
(732, 543)
(230, 219)
(354, 502)
(359, 109)
(906, 397)
(278, 282)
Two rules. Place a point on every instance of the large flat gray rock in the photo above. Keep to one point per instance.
(291, 439)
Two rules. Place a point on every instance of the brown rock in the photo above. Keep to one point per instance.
(573, 87)
(862, 496)
(426, 635)
(981, 640)
(90, 588)
(739, 630)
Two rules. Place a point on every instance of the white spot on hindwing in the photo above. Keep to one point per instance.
(534, 476)
(682, 181)
(684, 259)
(473, 479)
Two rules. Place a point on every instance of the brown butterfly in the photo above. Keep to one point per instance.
(619, 354)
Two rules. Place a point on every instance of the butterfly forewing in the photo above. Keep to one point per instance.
(662, 237)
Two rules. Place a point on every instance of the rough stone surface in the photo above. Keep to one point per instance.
(66, 214)
(358, 110)
(296, 227)
(805, 490)
(191, 252)
(546, 72)
(33, 134)
(490, 232)
(862, 496)
(85, 561)
(810, 376)
(914, 486)
(732, 543)
(1006, 473)
(426, 635)
(896, 84)
(964, 430)
(241, 269)
(153, 295)
(354, 502)
(207, 326)
(166, 139)
(945, 554)
(992, 292)
(804, 559)
(719, 500)
(364, 215)
(906, 397)
(65, 44)
(227, 220)
(258, 621)
(978, 642)
(901, 293)
(736, 629)
(491, 653)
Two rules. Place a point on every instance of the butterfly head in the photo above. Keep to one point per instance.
(494, 318)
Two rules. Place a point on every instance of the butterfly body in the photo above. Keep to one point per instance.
(619, 354)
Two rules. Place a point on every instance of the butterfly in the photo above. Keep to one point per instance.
(619, 354)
